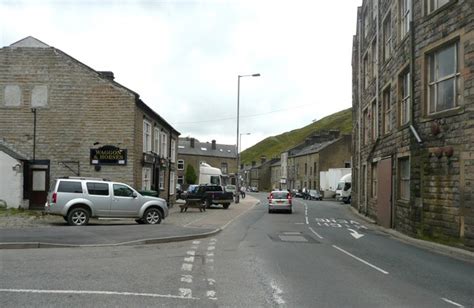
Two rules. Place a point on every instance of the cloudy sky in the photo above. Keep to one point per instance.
(183, 56)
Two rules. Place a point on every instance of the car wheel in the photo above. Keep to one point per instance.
(226, 205)
(152, 216)
(78, 216)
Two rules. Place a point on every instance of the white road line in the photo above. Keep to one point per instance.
(191, 253)
(186, 293)
(276, 294)
(451, 302)
(359, 259)
(210, 248)
(187, 278)
(85, 292)
(306, 213)
(211, 295)
(316, 233)
(189, 259)
(225, 226)
(307, 222)
(187, 267)
(210, 254)
(196, 242)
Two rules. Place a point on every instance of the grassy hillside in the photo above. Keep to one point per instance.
(275, 145)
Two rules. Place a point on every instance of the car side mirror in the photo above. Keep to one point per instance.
(134, 195)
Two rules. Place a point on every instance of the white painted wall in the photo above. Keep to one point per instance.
(11, 181)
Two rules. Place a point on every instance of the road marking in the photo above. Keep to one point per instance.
(355, 234)
(299, 223)
(210, 248)
(187, 278)
(211, 281)
(187, 267)
(186, 293)
(196, 242)
(189, 259)
(211, 295)
(306, 213)
(359, 259)
(210, 254)
(277, 294)
(451, 302)
(225, 226)
(315, 233)
(191, 253)
(85, 292)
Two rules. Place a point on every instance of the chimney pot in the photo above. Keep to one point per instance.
(213, 144)
(192, 142)
(107, 74)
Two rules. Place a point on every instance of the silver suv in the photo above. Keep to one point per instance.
(77, 199)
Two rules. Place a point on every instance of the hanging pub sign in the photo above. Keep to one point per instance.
(108, 155)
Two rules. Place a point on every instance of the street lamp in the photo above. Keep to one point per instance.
(238, 153)
(237, 198)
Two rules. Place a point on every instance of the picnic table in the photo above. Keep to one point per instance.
(193, 203)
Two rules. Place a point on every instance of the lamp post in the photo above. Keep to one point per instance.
(33, 110)
(237, 198)
(238, 154)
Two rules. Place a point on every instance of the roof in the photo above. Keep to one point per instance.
(9, 151)
(29, 42)
(313, 148)
(205, 148)
(277, 163)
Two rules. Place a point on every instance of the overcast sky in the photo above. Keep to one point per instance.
(183, 57)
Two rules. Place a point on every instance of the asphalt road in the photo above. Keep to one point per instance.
(319, 256)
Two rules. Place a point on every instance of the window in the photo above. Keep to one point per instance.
(180, 179)
(433, 5)
(12, 96)
(146, 136)
(374, 180)
(366, 70)
(156, 140)
(347, 165)
(146, 178)
(374, 121)
(70, 187)
(310, 170)
(98, 189)
(164, 145)
(387, 111)
(443, 74)
(404, 82)
(162, 180)
(374, 58)
(305, 169)
(173, 150)
(180, 164)
(365, 126)
(404, 179)
(405, 17)
(224, 168)
(172, 184)
(364, 182)
(122, 191)
(387, 37)
(39, 96)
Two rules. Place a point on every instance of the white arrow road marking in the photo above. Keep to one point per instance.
(355, 234)
(451, 302)
(277, 294)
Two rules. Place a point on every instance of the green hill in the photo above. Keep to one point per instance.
(275, 145)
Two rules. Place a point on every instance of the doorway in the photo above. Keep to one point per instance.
(37, 183)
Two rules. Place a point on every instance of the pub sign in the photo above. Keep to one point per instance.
(108, 155)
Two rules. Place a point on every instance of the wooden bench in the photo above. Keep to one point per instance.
(193, 203)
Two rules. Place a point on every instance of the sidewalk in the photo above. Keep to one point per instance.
(52, 231)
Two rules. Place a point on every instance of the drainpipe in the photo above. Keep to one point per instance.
(169, 169)
(376, 79)
(360, 108)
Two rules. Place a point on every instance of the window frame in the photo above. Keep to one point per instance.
(161, 177)
(387, 112)
(164, 144)
(172, 183)
(146, 136)
(156, 140)
(405, 97)
(146, 178)
(405, 16)
(403, 179)
(436, 6)
(180, 162)
(173, 150)
(387, 36)
(374, 178)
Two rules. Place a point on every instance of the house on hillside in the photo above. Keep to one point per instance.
(319, 152)
(191, 152)
(413, 111)
(59, 117)
(260, 174)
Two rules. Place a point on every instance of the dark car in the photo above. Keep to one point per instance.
(211, 194)
(314, 195)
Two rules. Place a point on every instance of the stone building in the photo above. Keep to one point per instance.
(66, 119)
(276, 176)
(261, 174)
(192, 152)
(413, 111)
(318, 153)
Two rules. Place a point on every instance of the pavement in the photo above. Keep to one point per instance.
(50, 231)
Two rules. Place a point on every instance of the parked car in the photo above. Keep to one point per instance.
(212, 194)
(314, 195)
(232, 189)
(78, 198)
(280, 201)
(253, 189)
(191, 188)
(296, 193)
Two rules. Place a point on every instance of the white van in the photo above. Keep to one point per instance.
(210, 175)
(344, 188)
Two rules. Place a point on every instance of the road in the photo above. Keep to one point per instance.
(319, 256)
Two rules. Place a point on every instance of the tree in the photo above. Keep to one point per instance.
(190, 176)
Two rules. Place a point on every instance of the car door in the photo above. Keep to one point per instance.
(99, 195)
(124, 204)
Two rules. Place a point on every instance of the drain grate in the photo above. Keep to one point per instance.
(292, 237)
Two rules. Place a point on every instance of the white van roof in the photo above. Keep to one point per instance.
(346, 178)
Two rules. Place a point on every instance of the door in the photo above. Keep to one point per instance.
(38, 184)
(384, 193)
(123, 202)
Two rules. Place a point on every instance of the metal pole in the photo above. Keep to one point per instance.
(34, 133)
(237, 195)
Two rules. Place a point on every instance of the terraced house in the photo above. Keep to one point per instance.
(413, 117)
(59, 117)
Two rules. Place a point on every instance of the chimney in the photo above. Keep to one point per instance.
(192, 142)
(263, 159)
(107, 74)
(213, 144)
(334, 133)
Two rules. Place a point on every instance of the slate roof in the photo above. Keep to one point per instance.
(205, 148)
(312, 148)
(9, 151)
